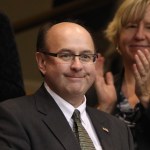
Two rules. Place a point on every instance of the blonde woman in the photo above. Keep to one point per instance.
(129, 99)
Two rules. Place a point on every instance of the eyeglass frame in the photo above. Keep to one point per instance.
(95, 56)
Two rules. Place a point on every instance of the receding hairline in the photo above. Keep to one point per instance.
(69, 25)
(58, 27)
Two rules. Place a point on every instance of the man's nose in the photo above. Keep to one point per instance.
(76, 63)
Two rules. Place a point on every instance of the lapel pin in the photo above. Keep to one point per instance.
(105, 129)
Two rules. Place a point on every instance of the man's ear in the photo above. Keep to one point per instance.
(41, 62)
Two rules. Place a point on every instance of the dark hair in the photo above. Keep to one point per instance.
(40, 45)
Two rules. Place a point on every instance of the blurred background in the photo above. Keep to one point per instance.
(27, 16)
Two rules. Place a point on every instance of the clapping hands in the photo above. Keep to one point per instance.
(104, 87)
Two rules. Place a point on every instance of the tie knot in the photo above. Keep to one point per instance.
(76, 115)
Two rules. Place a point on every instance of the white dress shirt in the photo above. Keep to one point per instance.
(68, 110)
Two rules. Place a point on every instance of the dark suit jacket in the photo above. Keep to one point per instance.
(36, 123)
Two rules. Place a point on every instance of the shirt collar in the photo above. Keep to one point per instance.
(66, 107)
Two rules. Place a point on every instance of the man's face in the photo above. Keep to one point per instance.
(74, 77)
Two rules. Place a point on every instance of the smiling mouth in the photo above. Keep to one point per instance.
(140, 46)
(76, 77)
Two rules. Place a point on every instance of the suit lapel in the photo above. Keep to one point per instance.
(60, 127)
(102, 128)
(55, 120)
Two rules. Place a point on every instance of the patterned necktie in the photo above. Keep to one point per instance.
(80, 132)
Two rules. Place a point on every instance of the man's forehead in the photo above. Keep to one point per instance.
(67, 27)
(68, 34)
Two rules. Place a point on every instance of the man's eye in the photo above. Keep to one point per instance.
(65, 55)
(85, 56)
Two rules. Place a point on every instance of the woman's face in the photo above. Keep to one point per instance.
(135, 36)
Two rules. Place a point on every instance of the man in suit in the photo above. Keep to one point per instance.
(43, 121)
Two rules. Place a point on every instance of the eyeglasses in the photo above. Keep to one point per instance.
(68, 56)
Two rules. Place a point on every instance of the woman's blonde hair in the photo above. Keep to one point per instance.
(129, 11)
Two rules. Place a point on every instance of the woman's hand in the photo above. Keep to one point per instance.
(104, 87)
(142, 76)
